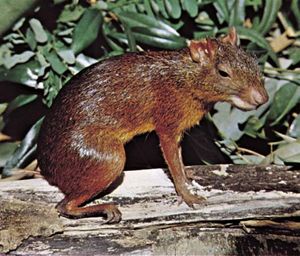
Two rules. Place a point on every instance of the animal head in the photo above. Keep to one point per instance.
(231, 74)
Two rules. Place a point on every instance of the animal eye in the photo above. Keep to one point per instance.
(223, 73)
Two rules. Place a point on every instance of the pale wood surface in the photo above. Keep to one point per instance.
(247, 208)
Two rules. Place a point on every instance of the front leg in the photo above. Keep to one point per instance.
(172, 154)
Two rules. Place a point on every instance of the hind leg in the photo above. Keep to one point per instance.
(100, 163)
(71, 208)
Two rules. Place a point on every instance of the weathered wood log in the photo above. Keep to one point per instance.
(249, 210)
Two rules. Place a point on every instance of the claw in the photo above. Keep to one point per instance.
(113, 215)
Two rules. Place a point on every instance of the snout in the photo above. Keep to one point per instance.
(251, 100)
(258, 97)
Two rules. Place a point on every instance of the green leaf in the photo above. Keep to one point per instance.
(237, 15)
(191, 7)
(119, 36)
(253, 125)
(38, 30)
(131, 39)
(294, 129)
(67, 55)
(13, 60)
(228, 120)
(141, 20)
(255, 37)
(295, 8)
(254, 3)
(30, 39)
(294, 55)
(148, 8)
(86, 30)
(57, 65)
(25, 152)
(270, 13)
(19, 24)
(3, 107)
(51, 87)
(6, 150)
(18, 102)
(161, 6)
(173, 8)
(222, 10)
(289, 153)
(71, 13)
(158, 38)
(12, 10)
(26, 73)
(284, 100)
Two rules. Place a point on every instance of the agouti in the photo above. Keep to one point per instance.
(81, 143)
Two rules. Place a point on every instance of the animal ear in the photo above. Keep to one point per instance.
(202, 51)
(231, 37)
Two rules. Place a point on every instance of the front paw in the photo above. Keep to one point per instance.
(190, 194)
(191, 199)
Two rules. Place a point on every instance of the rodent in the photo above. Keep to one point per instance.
(81, 143)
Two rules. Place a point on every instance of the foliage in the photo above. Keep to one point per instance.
(37, 57)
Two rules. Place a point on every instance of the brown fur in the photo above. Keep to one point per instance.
(80, 148)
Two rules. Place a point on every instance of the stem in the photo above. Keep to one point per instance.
(250, 152)
(22, 35)
(282, 70)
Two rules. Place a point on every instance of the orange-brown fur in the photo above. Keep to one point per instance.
(80, 148)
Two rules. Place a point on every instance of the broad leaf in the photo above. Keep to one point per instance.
(141, 20)
(158, 38)
(270, 13)
(289, 153)
(294, 129)
(13, 60)
(26, 74)
(284, 100)
(255, 37)
(191, 7)
(237, 15)
(86, 30)
(6, 150)
(19, 101)
(24, 153)
(173, 8)
(38, 30)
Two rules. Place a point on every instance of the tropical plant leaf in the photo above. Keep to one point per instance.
(269, 16)
(289, 152)
(13, 60)
(284, 100)
(18, 102)
(38, 30)
(294, 129)
(141, 20)
(86, 30)
(6, 150)
(222, 10)
(57, 65)
(191, 7)
(158, 38)
(173, 8)
(237, 15)
(26, 73)
(257, 38)
(24, 154)
(159, 4)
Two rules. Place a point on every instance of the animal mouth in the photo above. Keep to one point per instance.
(252, 101)
(242, 104)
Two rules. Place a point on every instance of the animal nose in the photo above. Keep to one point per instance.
(259, 97)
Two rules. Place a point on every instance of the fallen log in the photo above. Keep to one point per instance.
(249, 210)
